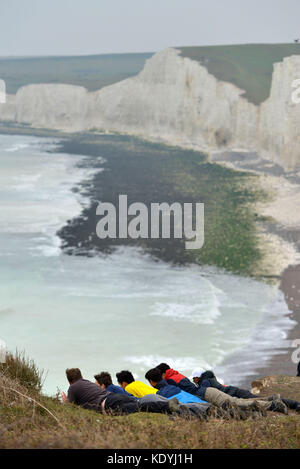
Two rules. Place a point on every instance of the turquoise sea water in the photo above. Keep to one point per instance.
(122, 311)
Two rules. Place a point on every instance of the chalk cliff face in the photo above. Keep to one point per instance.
(176, 100)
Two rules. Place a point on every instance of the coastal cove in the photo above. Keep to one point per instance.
(167, 288)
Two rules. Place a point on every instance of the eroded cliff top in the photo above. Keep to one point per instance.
(248, 66)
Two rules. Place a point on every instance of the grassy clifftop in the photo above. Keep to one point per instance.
(30, 420)
(247, 66)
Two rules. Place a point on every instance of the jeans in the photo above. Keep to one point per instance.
(121, 404)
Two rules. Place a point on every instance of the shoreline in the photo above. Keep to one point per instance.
(280, 363)
(289, 270)
(283, 231)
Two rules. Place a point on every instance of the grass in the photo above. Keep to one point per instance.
(29, 419)
(19, 367)
(248, 66)
(91, 71)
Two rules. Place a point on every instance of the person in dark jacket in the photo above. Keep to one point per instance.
(195, 406)
(154, 376)
(208, 379)
(298, 374)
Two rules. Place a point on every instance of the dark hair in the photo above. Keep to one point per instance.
(103, 378)
(163, 367)
(124, 376)
(206, 375)
(73, 374)
(154, 375)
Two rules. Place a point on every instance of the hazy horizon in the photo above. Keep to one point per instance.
(138, 53)
(73, 28)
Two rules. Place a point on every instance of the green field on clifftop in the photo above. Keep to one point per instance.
(248, 66)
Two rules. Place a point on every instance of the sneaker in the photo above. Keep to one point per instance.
(256, 407)
(279, 406)
(274, 397)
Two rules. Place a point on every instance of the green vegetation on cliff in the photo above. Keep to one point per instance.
(248, 66)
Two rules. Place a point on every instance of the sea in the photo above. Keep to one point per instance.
(119, 311)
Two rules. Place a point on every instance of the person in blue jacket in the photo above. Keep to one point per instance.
(154, 376)
(104, 380)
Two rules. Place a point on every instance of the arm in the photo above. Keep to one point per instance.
(64, 398)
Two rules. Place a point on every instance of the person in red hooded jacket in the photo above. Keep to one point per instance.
(177, 379)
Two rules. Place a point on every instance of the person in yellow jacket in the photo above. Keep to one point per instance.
(136, 388)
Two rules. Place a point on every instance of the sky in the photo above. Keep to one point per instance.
(80, 27)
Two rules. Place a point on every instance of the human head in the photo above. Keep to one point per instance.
(153, 376)
(163, 367)
(196, 375)
(103, 379)
(124, 378)
(203, 376)
(73, 375)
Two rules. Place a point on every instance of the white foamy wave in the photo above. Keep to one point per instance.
(197, 313)
(184, 365)
(17, 147)
(36, 188)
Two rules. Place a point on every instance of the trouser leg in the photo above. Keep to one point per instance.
(121, 404)
(154, 405)
(290, 403)
(219, 399)
(198, 410)
(237, 392)
(153, 398)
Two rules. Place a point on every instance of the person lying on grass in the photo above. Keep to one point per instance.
(217, 396)
(208, 378)
(136, 388)
(154, 376)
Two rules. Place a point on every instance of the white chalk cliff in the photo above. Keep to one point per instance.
(176, 100)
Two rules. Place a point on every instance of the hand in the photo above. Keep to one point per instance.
(63, 397)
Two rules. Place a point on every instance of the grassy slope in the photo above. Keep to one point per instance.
(92, 72)
(248, 66)
(44, 422)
